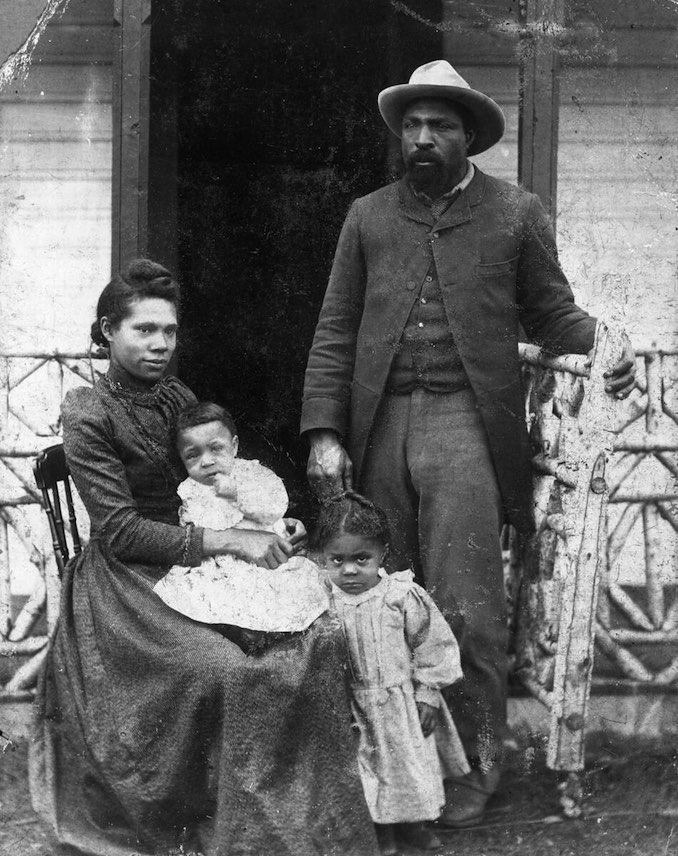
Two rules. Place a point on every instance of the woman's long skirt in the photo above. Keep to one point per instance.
(156, 734)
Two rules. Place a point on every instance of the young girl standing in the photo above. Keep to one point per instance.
(402, 652)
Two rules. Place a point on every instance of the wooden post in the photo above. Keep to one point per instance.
(539, 97)
(5, 588)
(5, 593)
(590, 441)
(131, 89)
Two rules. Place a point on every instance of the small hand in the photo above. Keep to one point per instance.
(620, 379)
(329, 470)
(296, 534)
(428, 717)
(224, 485)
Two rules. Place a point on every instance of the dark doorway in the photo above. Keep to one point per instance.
(277, 130)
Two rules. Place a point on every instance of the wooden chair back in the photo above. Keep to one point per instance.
(51, 471)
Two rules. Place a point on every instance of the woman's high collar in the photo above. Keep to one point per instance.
(121, 378)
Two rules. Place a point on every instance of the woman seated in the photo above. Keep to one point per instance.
(157, 734)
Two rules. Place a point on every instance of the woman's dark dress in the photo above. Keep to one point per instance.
(155, 731)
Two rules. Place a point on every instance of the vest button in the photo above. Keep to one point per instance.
(429, 279)
(435, 235)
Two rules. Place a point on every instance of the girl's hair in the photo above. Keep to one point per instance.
(200, 413)
(352, 514)
(141, 278)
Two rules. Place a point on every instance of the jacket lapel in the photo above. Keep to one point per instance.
(460, 211)
(412, 207)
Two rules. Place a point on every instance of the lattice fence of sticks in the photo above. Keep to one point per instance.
(593, 464)
(575, 428)
(637, 626)
(33, 386)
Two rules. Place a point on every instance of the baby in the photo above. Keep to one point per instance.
(224, 492)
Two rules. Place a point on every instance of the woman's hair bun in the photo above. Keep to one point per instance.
(145, 269)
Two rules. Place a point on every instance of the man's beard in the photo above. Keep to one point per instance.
(434, 178)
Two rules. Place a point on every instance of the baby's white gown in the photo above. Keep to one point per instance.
(226, 590)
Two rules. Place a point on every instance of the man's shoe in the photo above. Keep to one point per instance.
(466, 798)
(419, 835)
(386, 839)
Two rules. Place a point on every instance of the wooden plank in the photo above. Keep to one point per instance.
(624, 48)
(163, 147)
(62, 85)
(130, 130)
(87, 12)
(539, 100)
(75, 44)
(620, 13)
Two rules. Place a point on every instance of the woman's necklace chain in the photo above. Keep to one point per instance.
(149, 394)
(128, 397)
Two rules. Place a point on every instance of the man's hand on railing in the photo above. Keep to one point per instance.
(620, 379)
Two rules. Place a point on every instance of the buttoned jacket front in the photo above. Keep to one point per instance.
(497, 266)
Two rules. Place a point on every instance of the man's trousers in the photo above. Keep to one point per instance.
(428, 466)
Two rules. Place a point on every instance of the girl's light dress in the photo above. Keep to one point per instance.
(401, 652)
(227, 590)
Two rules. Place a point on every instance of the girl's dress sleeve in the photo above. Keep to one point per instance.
(435, 652)
(261, 495)
(99, 475)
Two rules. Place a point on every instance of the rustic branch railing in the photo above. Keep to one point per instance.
(21, 437)
(588, 450)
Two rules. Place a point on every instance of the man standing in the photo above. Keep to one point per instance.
(413, 385)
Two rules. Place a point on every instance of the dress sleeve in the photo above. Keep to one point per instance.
(261, 494)
(435, 652)
(99, 475)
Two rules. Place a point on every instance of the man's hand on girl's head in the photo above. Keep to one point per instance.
(329, 470)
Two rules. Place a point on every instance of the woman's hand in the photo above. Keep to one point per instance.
(297, 534)
(428, 717)
(261, 548)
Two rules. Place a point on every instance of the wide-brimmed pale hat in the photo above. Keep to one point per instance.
(438, 79)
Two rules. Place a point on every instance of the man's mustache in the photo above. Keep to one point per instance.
(423, 157)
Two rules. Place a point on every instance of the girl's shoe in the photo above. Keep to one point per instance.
(386, 839)
(419, 835)
(466, 798)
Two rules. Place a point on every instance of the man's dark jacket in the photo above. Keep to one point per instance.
(497, 265)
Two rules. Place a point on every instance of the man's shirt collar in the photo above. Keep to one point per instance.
(444, 200)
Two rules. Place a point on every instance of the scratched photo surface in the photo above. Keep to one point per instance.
(227, 139)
